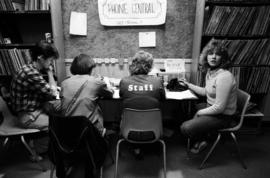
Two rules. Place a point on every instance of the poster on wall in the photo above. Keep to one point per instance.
(132, 12)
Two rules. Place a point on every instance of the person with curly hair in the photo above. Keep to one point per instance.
(139, 83)
(221, 94)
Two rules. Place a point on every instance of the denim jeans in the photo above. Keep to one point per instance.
(199, 126)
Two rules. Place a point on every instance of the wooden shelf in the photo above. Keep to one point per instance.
(234, 37)
(249, 65)
(239, 3)
(35, 12)
(21, 46)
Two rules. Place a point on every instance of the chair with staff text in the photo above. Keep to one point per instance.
(141, 124)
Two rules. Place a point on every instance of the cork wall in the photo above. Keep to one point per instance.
(173, 39)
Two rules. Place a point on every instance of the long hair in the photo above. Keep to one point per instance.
(215, 46)
(142, 63)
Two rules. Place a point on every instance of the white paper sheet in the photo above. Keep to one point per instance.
(147, 39)
(187, 94)
(78, 23)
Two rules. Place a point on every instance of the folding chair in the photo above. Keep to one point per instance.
(10, 132)
(242, 102)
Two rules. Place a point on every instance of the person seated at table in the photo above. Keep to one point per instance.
(29, 90)
(139, 83)
(80, 92)
(221, 94)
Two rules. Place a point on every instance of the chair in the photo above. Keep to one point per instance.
(9, 131)
(69, 142)
(242, 102)
(141, 124)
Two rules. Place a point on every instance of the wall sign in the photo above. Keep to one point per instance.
(132, 12)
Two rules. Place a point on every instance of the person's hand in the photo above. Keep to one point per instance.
(184, 83)
(50, 69)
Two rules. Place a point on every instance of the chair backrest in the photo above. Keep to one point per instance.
(72, 134)
(242, 103)
(67, 132)
(141, 120)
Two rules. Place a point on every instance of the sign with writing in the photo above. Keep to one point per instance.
(174, 65)
(132, 12)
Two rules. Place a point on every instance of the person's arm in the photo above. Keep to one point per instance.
(162, 91)
(51, 80)
(121, 88)
(223, 88)
(39, 84)
(104, 90)
(198, 90)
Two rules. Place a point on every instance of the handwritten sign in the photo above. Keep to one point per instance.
(132, 12)
(174, 65)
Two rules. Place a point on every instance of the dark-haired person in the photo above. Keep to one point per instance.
(141, 83)
(94, 88)
(221, 94)
(29, 90)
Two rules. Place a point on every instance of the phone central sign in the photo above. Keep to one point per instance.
(132, 12)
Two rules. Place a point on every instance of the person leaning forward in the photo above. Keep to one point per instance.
(29, 89)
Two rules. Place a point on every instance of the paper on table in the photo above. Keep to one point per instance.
(187, 94)
(78, 23)
(116, 94)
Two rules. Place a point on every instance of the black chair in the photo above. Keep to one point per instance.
(242, 102)
(141, 124)
(72, 140)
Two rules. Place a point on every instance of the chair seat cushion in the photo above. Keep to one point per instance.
(9, 130)
(141, 136)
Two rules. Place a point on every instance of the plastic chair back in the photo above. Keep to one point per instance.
(242, 103)
(142, 118)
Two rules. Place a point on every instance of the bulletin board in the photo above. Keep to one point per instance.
(173, 39)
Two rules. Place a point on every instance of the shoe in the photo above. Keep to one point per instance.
(199, 147)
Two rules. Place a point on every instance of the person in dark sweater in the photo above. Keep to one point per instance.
(140, 83)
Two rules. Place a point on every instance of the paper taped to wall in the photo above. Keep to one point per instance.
(78, 23)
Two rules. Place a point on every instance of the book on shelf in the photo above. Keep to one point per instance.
(234, 21)
(13, 59)
(31, 5)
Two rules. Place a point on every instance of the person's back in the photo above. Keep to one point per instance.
(80, 92)
(139, 83)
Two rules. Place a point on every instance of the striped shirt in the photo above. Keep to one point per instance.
(29, 90)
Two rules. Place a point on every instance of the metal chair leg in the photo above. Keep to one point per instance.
(36, 157)
(238, 150)
(117, 157)
(52, 170)
(101, 172)
(5, 142)
(188, 148)
(211, 150)
(164, 158)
